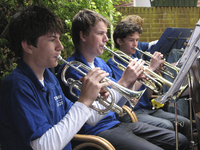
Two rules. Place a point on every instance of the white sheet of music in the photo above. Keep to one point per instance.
(191, 41)
(188, 58)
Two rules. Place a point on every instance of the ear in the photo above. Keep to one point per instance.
(119, 41)
(82, 36)
(27, 48)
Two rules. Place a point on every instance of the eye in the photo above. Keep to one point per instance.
(52, 40)
(102, 33)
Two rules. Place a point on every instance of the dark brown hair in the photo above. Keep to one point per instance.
(83, 21)
(30, 23)
(123, 29)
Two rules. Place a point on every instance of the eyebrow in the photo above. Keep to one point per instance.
(54, 36)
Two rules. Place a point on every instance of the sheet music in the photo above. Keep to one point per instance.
(195, 68)
(191, 40)
(190, 56)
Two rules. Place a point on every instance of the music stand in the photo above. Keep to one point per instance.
(172, 38)
(187, 59)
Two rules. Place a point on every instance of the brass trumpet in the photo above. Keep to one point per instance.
(156, 85)
(165, 63)
(160, 69)
(132, 96)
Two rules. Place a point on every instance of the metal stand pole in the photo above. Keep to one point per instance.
(176, 125)
(176, 119)
(192, 143)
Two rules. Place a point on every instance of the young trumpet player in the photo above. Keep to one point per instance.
(34, 113)
(126, 36)
(89, 31)
(144, 46)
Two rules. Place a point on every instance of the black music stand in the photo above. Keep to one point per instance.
(188, 58)
(172, 38)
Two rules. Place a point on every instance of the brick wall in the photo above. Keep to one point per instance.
(157, 19)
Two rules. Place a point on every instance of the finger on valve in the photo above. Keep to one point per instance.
(91, 85)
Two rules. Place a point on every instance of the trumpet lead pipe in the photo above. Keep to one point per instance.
(165, 63)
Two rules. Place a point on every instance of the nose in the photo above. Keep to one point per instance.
(135, 43)
(105, 39)
(59, 46)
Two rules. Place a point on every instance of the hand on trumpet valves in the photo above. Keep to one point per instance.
(92, 86)
(156, 61)
(132, 72)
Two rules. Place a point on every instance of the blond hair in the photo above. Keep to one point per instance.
(135, 19)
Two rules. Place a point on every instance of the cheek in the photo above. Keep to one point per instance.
(94, 41)
(129, 45)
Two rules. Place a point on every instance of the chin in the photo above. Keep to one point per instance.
(133, 52)
(53, 65)
(99, 53)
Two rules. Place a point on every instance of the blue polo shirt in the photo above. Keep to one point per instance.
(109, 120)
(28, 109)
(144, 102)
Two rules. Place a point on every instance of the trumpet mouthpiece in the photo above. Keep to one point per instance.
(104, 47)
(59, 57)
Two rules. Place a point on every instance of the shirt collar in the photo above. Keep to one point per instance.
(31, 75)
(79, 57)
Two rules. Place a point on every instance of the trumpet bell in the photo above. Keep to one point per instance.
(135, 98)
(175, 96)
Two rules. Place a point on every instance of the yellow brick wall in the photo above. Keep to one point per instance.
(157, 19)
